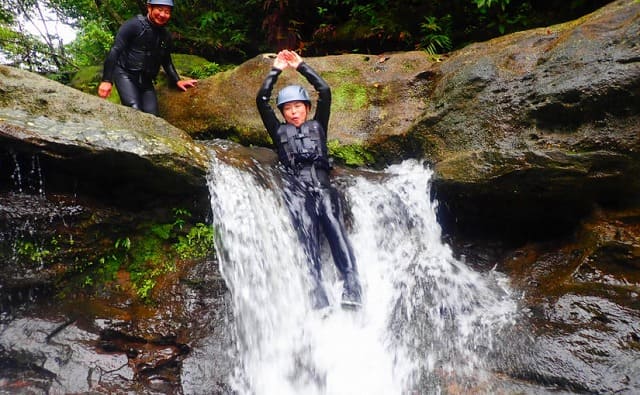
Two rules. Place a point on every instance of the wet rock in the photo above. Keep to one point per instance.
(84, 144)
(64, 363)
(582, 337)
(583, 303)
(529, 131)
(83, 345)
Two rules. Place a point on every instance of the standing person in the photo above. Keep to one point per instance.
(302, 149)
(141, 46)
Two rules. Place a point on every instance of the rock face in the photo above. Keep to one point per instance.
(543, 121)
(89, 145)
(78, 173)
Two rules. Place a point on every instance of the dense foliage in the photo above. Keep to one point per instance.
(230, 31)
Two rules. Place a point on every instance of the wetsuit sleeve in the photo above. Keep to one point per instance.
(269, 118)
(167, 63)
(323, 108)
(127, 32)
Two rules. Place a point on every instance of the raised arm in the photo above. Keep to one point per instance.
(323, 107)
(269, 118)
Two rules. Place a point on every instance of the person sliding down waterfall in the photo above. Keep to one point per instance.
(313, 203)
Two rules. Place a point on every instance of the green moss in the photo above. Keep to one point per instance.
(31, 250)
(411, 65)
(146, 261)
(342, 86)
(350, 154)
(350, 97)
(341, 75)
(185, 62)
(197, 243)
(155, 251)
(87, 79)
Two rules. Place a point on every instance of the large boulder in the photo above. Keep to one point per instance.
(88, 145)
(372, 96)
(533, 129)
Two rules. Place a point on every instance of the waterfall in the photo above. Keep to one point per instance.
(427, 322)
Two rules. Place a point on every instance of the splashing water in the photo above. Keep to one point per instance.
(426, 320)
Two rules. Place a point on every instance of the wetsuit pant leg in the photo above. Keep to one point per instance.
(303, 209)
(128, 88)
(341, 249)
(134, 92)
(149, 99)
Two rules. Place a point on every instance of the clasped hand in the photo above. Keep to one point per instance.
(286, 59)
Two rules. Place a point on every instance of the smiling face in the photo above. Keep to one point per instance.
(295, 112)
(159, 15)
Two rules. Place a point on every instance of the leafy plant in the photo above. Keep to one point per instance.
(123, 243)
(486, 4)
(92, 44)
(504, 15)
(31, 251)
(436, 35)
(198, 243)
(40, 252)
(146, 260)
(205, 70)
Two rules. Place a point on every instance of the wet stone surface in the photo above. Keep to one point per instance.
(58, 348)
(56, 337)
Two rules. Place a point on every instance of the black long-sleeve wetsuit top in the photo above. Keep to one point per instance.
(140, 47)
(322, 112)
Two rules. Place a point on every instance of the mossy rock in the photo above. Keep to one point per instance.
(364, 89)
(87, 79)
(350, 154)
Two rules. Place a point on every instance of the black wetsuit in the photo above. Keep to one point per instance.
(138, 51)
(313, 203)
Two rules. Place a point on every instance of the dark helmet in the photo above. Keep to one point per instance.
(160, 2)
(292, 93)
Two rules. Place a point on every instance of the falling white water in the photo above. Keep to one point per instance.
(427, 320)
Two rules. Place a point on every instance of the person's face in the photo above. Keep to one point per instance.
(295, 112)
(159, 14)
